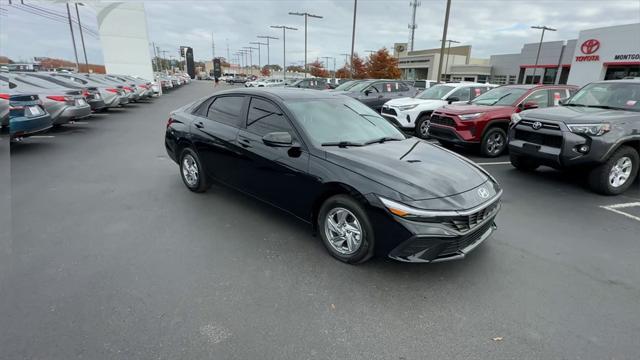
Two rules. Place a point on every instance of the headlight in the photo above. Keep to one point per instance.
(590, 129)
(515, 118)
(408, 212)
(407, 107)
(470, 116)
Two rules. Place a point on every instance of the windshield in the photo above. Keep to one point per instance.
(615, 95)
(360, 86)
(338, 120)
(435, 92)
(347, 85)
(500, 96)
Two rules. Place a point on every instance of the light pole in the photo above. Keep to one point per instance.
(84, 50)
(353, 33)
(259, 57)
(446, 66)
(346, 59)
(250, 50)
(284, 46)
(444, 38)
(543, 28)
(326, 58)
(73, 39)
(267, 37)
(306, 15)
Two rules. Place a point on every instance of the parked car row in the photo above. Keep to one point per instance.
(170, 81)
(33, 102)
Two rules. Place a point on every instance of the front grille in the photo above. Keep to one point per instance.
(545, 125)
(442, 120)
(466, 223)
(462, 242)
(539, 138)
(389, 111)
(441, 133)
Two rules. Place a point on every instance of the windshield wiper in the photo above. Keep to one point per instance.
(572, 104)
(381, 140)
(500, 98)
(341, 143)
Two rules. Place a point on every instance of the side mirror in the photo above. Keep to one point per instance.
(278, 139)
(529, 105)
(367, 92)
(562, 101)
(452, 99)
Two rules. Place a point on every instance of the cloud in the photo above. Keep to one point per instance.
(490, 26)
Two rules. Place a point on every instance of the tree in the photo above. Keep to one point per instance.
(296, 68)
(274, 67)
(343, 72)
(317, 70)
(359, 68)
(265, 71)
(382, 65)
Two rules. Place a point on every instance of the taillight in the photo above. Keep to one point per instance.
(170, 121)
(128, 88)
(4, 96)
(113, 90)
(60, 98)
(86, 93)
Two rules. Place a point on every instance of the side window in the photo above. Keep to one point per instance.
(201, 110)
(226, 109)
(376, 87)
(540, 97)
(477, 91)
(462, 94)
(557, 95)
(400, 87)
(264, 117)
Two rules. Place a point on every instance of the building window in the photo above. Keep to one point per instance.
(499, 79)
(512, 79)
(483, 78)
(550, 75)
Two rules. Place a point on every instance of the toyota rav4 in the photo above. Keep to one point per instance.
(597, 129)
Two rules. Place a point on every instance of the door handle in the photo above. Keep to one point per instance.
(244, 141)
(199, 124)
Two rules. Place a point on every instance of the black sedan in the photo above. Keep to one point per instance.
(333, 162)
(374, 93)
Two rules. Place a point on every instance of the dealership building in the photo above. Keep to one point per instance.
(598, 54)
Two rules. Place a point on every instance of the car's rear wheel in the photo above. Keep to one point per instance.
(523, 163)
(192, 172)
(422, 126)
(617, 174)
(345, 229)
(494, 142)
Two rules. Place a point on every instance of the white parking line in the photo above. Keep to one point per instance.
(614, 208)
(78, 122)
(495, 163)
(42, 136)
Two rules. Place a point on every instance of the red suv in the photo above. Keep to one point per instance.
(485, 120)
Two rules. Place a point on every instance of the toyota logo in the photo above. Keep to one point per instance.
(590, 46)
(536, 125)
(483, 193)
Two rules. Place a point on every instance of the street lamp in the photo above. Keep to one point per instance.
(267, 37)
(353, 33)
(446, 66)
(84, 50)
(543, 28)
(284, 46)
(306, 15)
(259, 57)
(250, 50)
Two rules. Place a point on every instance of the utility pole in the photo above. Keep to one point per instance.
(284, 46)
(306, 15)
(228, 56)
(73, 39)
(267, 37)
(84, 50)
(213, 48)
(164, 56)
(370, 51)
(413, 25)
(543, 28)
(251, 55)
(444, 38)
(446, 66)
(326, 62)
(346, 59)
(259, 56)
(353, 33)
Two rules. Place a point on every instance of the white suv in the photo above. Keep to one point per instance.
(412, 113)
(269, 83)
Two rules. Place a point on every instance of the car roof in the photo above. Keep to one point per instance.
(621, 81)
(282, 93)
(538, 86)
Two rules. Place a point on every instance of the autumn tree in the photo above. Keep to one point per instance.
(295, 68)
(274, 67)
(343, 72)
(317, 70)
(382, 65)
(359, 68)
(265, 71)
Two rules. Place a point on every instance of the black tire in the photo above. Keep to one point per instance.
(599, 176)
(523, 163)
(365, 250)
(201, 183)
(494, 142)
(422, 126)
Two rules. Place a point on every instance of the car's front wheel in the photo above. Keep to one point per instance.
(617, 174)
(192, 172)
(422, 126)
(494, 142)
(345, 229)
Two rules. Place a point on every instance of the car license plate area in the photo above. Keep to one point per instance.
(81, 102)
(34, 111)
(530, 148)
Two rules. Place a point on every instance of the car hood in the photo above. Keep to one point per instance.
(461, 109)
(578, 115)
(422, 102)
(413, 167)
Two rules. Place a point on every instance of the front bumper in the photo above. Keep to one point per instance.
(446, 133)
(402, 119)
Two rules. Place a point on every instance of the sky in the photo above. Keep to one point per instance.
(490, 27)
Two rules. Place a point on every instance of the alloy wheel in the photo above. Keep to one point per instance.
(495, 143)
(424, 128)
(343, 230)
(620, 172)
(190, 170)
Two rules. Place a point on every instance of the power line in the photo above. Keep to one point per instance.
(45, 15)
(50, 14)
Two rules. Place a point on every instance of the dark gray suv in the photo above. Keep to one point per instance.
(597, 129)
(374, 93)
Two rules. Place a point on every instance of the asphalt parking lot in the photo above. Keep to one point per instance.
(111, 257)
